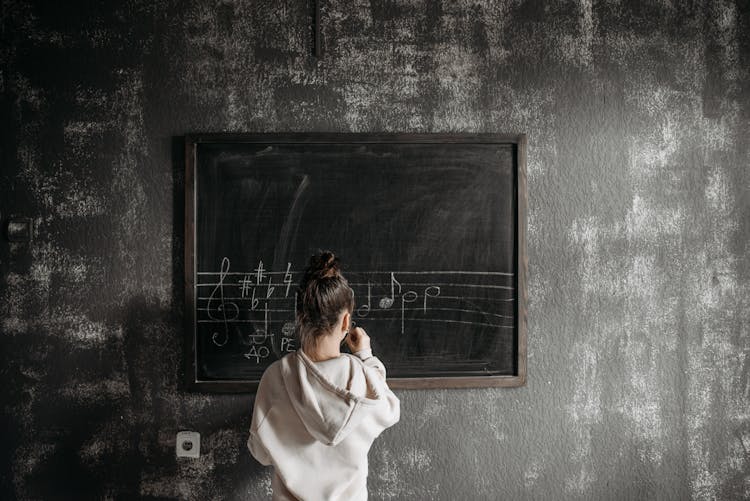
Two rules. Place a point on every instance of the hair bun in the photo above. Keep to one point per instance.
(324, 265)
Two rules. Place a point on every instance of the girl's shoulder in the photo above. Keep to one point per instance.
(272, 376)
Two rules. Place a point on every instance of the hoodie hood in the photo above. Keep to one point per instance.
(329, 410)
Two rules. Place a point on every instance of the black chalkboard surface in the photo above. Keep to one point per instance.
(430, 230)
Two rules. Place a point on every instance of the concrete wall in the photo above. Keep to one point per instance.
(638, 118)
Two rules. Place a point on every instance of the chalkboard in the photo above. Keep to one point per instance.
(430, 230)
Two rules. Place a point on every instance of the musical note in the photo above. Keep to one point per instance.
(387, 302)
(254, 302)
(436, 293)
(287, 279)
(222, 308)
(260, 335)
(245, 285)
(363, 310)
(259, 273)
(409, 297)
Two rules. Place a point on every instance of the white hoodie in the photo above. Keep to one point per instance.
(315, 423)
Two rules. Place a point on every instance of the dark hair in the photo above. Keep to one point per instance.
(322, 295)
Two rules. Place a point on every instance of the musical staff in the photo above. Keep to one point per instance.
(261, 310)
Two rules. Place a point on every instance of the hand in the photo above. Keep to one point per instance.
(358, 340)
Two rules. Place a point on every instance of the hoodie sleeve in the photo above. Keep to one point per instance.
(372, 361)
(390, 412)
(261, 410)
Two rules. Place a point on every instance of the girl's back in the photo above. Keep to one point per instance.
(317, 411)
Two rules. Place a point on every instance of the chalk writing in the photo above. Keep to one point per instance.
(221, 308)
(287, 279)
(264, 333)
(245, 285)
(409, 297)
(257, 352)
(254, 302)
(259, 273)
(288, 329)
(481, 299)
(363, 310)
(431, 291)
(387, 302)
(288, 344)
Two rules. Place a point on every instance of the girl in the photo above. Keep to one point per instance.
(317, 410)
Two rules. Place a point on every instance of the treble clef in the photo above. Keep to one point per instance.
(222, 307)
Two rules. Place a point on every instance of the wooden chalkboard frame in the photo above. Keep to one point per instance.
(518, 141)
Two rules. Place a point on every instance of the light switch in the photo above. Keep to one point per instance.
(188, 444)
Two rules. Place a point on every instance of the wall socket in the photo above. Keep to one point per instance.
(188, 444)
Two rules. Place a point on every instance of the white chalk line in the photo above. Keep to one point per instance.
(291, 298)
(441, 284)
(369, 319)
(259, 310)
(379, 310)
(349, 272)
(463, 298)
(251, 273)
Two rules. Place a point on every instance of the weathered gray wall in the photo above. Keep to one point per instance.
(638, 116)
